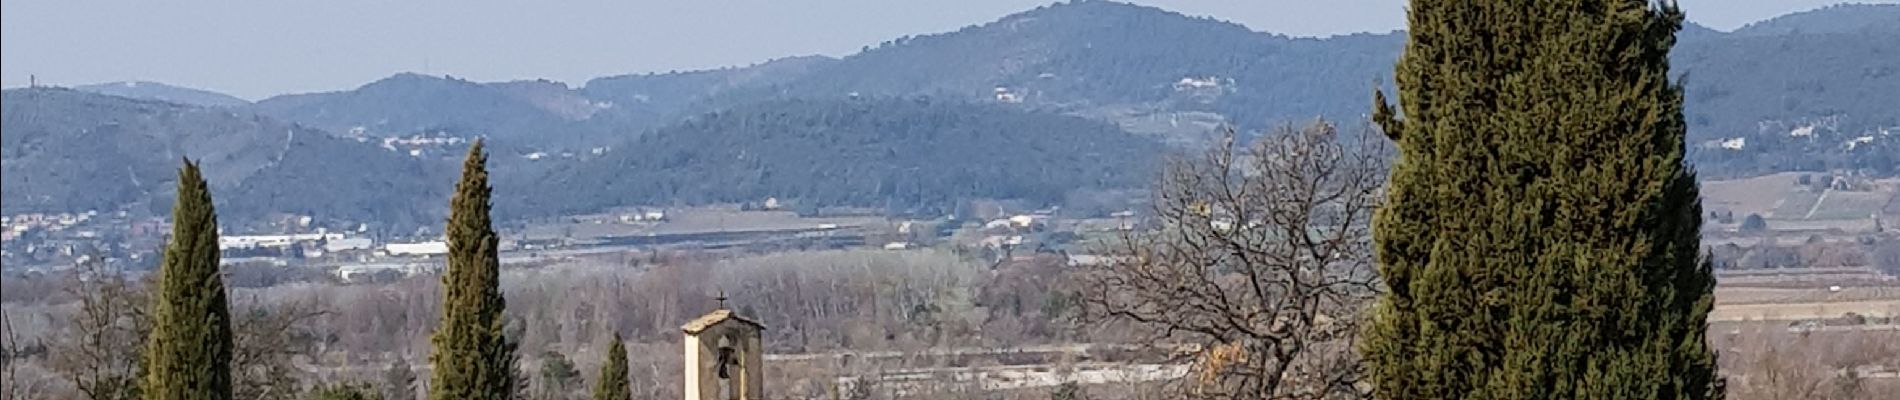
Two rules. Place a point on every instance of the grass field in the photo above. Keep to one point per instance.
(1804, 311)
(1794, 205)
(1850, 205)
(1767, 297)
(1757, 195)
(1725, 296)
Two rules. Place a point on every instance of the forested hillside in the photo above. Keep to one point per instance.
(1090, 54)
(520, 113)
(1842, 18)
(1135, 66)
(906, 154)
(1810, 91)
(67, 150)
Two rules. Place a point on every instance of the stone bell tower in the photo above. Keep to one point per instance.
(724, 358)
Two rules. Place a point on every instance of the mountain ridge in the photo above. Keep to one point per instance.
(164, 92)
(1139, 69)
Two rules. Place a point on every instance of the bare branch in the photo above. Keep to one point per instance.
(1262, 258)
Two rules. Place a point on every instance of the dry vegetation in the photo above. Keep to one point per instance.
(1235, 295)
(815, 302)
(1765, 361)
(899, 303)
(1262, 260)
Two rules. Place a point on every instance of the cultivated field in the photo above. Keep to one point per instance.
(1804, 311)
(1729, 296)
(1757, 195)
(1805, 295)
(1789, 206)
(1849, 205)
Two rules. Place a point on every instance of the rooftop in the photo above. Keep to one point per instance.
(714, 318)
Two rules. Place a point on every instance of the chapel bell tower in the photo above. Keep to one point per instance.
(724, 358)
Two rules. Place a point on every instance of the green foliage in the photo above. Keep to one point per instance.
(1068, 391)
(399, 381)
(613, 383)
(473, 359)
(344, 391)
(558, 377)
(188, 353)
(1541, 235)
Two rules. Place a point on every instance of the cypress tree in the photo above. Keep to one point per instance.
(613, 374)
(472, 359)
(188, 353)
(1540, 237)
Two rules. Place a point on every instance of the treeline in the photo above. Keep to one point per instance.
(191, 350)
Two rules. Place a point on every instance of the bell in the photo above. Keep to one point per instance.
(725, 359)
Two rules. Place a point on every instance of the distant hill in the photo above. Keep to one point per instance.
(906, 154)
(518, 113)
(1842, 18)
(1804, 92)
(163, 92)
(1833, 69)
(1083, 56)
(1150, 71)
(1821, 94)
(67, 150)
(669, 93)
(1136, 66)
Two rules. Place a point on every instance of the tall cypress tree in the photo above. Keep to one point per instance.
(1540, 238)
(188, 353)
(472, 358)
(613, 374)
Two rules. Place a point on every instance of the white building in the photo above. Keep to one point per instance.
(348, 244)
(423, 249)
(256, 241)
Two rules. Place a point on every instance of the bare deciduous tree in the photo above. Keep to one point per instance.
(1767, 362)
(101, 350)
(268, 342)
(100, 354)
(12, 386)
(1260, 262)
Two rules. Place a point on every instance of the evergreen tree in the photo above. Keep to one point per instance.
(344, 391)
(613, 374)
(399, 381)
(1068, 391)
(558, 376)
(188, 353)
(472, 359)
(1540, 239)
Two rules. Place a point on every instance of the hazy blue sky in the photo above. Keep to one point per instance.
(255, 49)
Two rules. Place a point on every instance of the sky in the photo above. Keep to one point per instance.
(255, 49)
